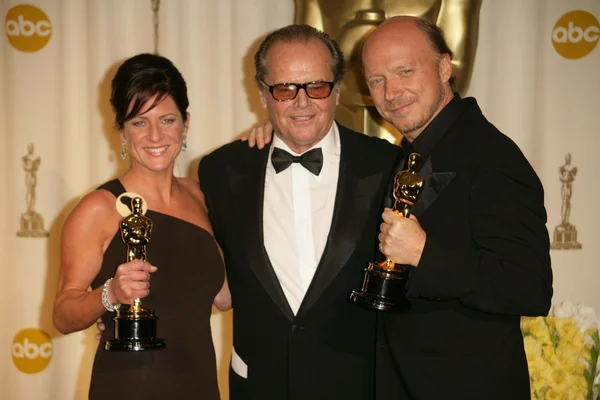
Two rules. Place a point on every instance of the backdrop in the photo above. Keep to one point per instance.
(535, 77)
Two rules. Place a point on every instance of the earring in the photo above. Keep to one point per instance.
(123, 151)
(184, 144)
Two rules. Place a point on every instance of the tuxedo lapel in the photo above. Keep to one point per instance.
(434, 184)
(353, 198)
(247, 184)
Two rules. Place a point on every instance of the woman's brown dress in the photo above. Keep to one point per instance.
(190, 274)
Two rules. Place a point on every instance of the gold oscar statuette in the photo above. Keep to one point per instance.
(32, 223)
(565, 234)
(384, 283)
(135, 327)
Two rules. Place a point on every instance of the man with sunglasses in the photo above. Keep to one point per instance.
(297, 222)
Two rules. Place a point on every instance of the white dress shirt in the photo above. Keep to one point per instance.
(297, 213)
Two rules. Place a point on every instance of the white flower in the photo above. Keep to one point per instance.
(584, 316)
(565, 310)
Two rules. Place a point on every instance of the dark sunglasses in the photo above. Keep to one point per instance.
(288, 91)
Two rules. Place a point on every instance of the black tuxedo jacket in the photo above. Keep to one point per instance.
(327, 350)
(485, 263)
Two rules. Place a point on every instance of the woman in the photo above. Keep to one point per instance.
(149, 97)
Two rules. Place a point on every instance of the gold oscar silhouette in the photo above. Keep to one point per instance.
(351, 21)
(565, 234)
(135, 328)
(32, 223)
(384, 283)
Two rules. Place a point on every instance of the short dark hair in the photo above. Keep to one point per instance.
(295, 34)
(139, 79)
(435, 36)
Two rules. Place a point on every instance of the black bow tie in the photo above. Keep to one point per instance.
(311, 160)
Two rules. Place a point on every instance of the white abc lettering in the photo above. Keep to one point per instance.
(46, 350)
(27, 28)
(17, 350)
(31, 350)
(43, 28)
(588, 36)
(575, 34)
(12, 28)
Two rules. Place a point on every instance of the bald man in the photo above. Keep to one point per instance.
(478, 243)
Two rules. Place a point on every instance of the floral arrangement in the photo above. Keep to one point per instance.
(562, 353)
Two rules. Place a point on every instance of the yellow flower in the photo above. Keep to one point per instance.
(538, 386)
(549, 354)
(553, 394)
(559, 377)
(569, 353)
(565, 385)
(581, 385)
(537, 328)
(533, 348)
(558, 356)
(566, 328)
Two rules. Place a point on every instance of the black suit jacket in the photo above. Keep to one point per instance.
(327, 350)
(485, 263)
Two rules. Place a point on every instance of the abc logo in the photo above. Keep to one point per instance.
(575, 34)
(32, 350)
(27, 28)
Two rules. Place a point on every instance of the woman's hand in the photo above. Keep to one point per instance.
(131, 281)
(223, 299)
(101, 328)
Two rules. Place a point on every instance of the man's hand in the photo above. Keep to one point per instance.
(101, 328)
(260, 135)
(401, 239)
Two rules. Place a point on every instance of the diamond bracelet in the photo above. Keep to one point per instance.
(105, 300)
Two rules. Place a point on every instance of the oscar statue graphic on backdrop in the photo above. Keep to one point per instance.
(135, 328)
(32, 223)
(350, 22)
(565, 234)
(384, 283)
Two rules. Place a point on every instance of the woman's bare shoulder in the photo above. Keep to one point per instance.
(96, 209)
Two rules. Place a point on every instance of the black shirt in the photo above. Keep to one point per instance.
(427, 139)
(433, 133)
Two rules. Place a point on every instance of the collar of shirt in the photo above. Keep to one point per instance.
(330, 146)
(437, 128)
